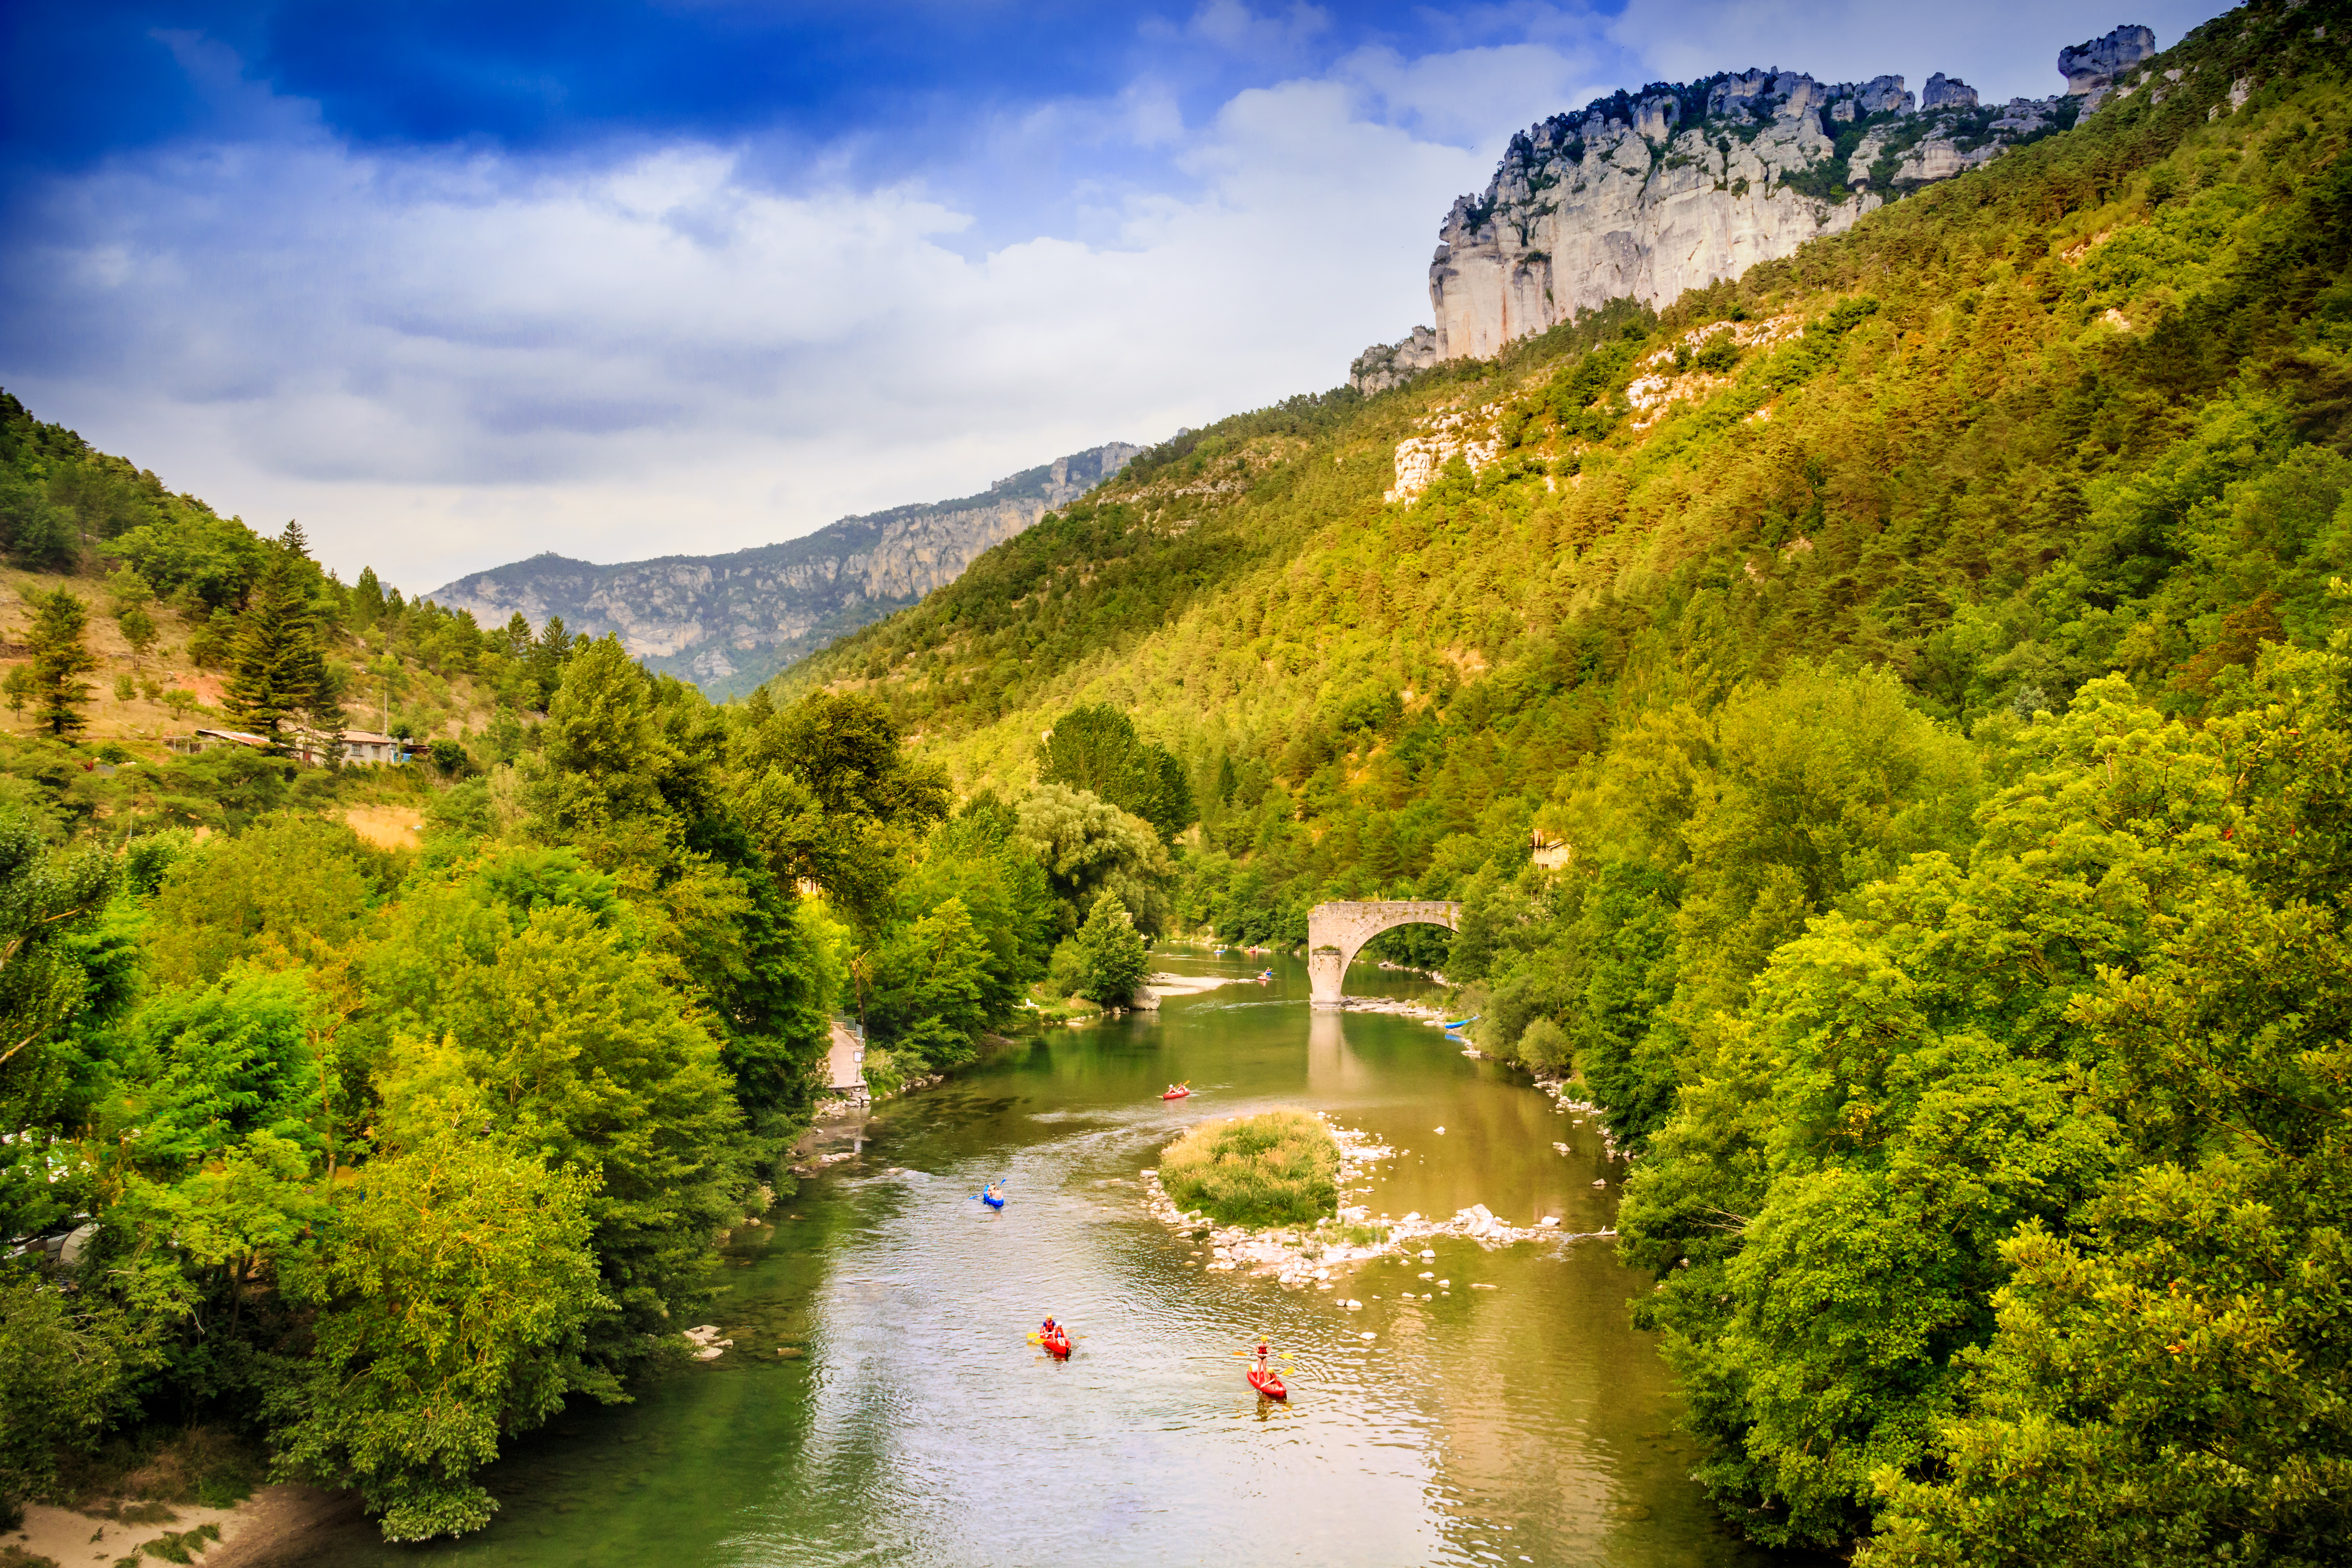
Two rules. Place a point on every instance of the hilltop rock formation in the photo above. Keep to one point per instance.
(2091, 69)
(1642, 195)
(726, 623)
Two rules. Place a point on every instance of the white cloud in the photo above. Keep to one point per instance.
(440, 362)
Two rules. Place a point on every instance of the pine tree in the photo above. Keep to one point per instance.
(60, 658)
(278, 668)
(367, 599)
(547, 658)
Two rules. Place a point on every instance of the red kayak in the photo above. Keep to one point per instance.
(1268, 1383)
(1176, 1094)
(1057, 1346)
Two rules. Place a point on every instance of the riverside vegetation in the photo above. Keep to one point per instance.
(1280, 1167)
(375, 1156)
(1943, 704)
(1935, 670)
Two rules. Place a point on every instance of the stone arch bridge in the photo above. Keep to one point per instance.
(1336, 932)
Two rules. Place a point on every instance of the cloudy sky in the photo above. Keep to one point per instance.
(458, 282)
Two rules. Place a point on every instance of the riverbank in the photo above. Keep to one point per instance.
(269, 1527)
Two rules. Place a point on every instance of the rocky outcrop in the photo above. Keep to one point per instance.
(2093, 67)
(726, 623)
(1384, 365)
(1946, 92)
(1643, 196)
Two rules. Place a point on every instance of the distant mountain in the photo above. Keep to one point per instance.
(729, 622)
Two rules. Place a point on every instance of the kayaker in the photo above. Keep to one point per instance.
(995, 1193)
(1263, 1351)
(1046, 1330)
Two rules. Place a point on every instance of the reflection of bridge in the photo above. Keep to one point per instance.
(1337, 932)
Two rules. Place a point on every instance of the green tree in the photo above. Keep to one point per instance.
(61, 1374)
(1115, 952)
(925, 986)
(278, 674)
(1096, 749)
(289, 894)
(1088, 846)
(139, 631)
(366, 600)
(452, 1287)
(831, 796)
(546, 660)
(59, 660)
(590, 1056)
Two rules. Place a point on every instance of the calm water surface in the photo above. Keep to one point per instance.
(1522, 1424)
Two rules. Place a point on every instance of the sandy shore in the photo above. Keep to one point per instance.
(271, 1527)
(1161, 986)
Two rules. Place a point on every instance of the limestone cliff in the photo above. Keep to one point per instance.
(1642, 195)
(729, 622)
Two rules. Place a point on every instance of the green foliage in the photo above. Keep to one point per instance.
(453, 1287)
(1089, 846)
(1114, 952)
(1096, 750)
(61, 1374)
(60, 659)
(291, 893)
(278, 673)
(1280, 1167)
(2033, 1063)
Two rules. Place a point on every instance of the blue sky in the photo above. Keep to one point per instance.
(459, 282)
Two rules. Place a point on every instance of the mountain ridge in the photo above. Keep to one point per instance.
(728, 621)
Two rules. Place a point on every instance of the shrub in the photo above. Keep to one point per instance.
(1114, 954)
(1066, 975)
(1543, 1047)
(1278, 1168)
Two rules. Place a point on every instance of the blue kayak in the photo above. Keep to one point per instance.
(991, 1203)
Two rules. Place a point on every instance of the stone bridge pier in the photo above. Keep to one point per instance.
(1336, 932)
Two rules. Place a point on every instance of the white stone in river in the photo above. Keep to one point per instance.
(1548, 1219)
(1440, 1130)
(1364, 1336)
(1426, 1253)
(1425, 1274)
(1445, 1284)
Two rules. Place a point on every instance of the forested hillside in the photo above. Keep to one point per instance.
(1930, 649)
(347, 1159)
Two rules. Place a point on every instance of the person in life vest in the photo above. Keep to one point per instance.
(1263, 1351)
(1048, 1330)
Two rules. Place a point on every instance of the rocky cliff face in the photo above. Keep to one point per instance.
(1644, 196)
(729, 622)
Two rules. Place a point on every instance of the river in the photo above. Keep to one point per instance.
(1524, 1423)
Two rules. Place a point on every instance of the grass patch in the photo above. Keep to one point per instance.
(1280, 1168)
(207, 1466)
(185, 1546)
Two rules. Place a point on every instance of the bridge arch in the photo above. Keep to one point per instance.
(1336, 932)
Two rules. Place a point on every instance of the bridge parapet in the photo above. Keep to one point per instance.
(1336, 932)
